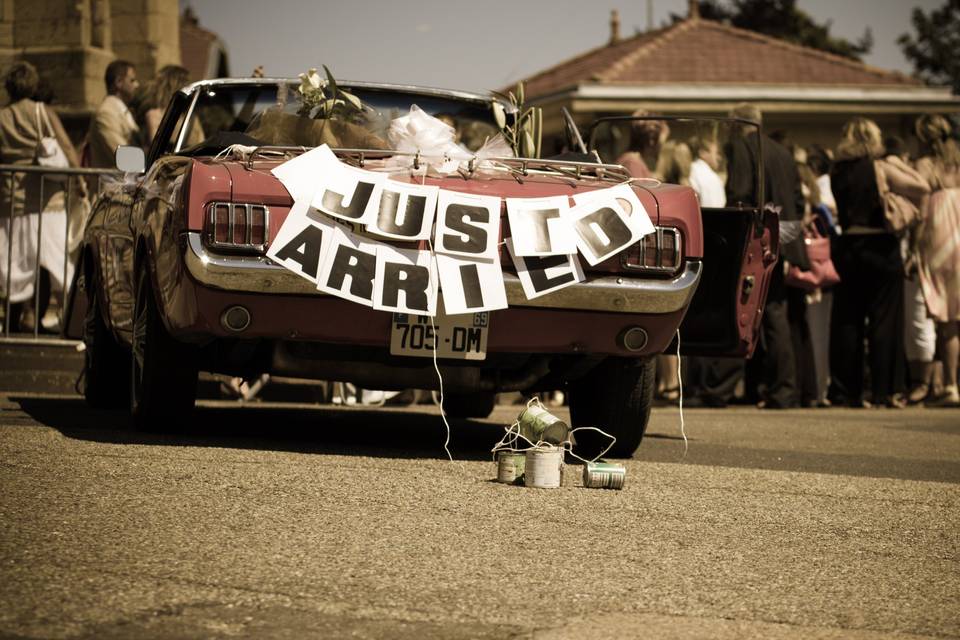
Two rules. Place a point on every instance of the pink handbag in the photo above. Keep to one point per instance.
(822, 273)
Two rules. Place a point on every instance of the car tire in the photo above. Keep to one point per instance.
(106, 368)
(616, 396)
(469, 405)
(163, 385)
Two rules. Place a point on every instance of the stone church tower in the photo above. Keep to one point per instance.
(72, 41)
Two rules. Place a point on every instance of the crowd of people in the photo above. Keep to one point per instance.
(130, 114)
(886, 334)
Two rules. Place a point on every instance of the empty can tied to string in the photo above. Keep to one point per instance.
(604, 475)
(532, 451)
(544, 467)
(511, 466)
(539, 425)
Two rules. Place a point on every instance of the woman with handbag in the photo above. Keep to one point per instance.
(868, 260)
(29, 137)
(811, 293)
(939, 245)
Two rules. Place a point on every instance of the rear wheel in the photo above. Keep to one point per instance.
(164, 371)
(469, 405)
(615, 397)
(106, 371)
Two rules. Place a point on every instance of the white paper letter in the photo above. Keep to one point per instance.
(406, 211)
(468, 225)
(470, 285)
(406, 281)
(347, 192)
(608, 220)
(539, 226)
(542, 274)
(349, 268)
(302, 241)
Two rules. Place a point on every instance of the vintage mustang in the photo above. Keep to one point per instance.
(174, 276)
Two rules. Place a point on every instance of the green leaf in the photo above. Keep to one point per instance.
(499, 115)
(352, 99)
(513, 98)
(520, 92)
(539, 128)
(529, 148)
(333, 83)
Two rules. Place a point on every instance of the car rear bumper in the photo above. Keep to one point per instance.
(619, 294)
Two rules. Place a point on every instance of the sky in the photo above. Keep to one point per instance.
(470, 45)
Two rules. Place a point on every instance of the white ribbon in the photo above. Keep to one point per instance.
(432, 142)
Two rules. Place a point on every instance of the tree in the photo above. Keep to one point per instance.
(782, 19)
(935, 51)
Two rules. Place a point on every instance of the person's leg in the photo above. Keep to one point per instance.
(919, 340)
(781, 366)
(885, 321)
(668, 384)
(802, 348)
(846, 327)
(718, 380)
(949, 334)
(818, 321)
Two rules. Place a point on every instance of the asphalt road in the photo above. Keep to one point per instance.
(274, 522)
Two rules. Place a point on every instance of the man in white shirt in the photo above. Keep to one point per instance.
(703, 173)
(113, 124)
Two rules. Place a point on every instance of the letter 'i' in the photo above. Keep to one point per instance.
(472, 293)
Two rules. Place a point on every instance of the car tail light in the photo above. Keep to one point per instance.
(232, 226)
(659, 251)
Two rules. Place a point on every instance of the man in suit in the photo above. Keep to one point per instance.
(113, 124)
(774, 364)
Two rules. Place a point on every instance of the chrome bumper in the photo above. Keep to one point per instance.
(621, 294)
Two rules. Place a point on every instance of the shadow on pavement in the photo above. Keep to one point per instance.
(396, 432)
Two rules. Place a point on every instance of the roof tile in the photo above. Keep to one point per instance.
(705, 51)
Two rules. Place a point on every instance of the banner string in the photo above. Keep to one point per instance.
(436, 367)
(683, 431)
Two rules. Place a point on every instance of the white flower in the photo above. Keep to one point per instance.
(310, 82)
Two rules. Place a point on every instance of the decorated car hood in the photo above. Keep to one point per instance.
(392, 239)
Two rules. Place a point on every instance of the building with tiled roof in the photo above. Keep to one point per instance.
(703, 67)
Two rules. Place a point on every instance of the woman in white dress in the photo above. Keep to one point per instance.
(23, 123)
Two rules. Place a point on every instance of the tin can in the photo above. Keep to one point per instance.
(539, 425)
(510, 467)
(604, 475)
(544, 467)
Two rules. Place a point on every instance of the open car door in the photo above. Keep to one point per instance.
(740, 238)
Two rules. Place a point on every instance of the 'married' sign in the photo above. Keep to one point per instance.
(463, 229)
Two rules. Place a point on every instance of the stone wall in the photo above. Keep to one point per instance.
(147, 33)
(72, 42)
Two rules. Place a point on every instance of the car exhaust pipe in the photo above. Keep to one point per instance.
(633, 339)
(235, 319)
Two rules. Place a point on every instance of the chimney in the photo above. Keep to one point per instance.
(694, 12)
(614, 27)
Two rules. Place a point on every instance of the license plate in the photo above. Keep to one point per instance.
(460, 337)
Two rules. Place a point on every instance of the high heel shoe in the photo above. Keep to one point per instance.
(949, 399)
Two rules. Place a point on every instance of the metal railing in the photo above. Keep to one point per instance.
(51, 180)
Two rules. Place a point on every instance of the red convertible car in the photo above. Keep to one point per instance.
(174, 276)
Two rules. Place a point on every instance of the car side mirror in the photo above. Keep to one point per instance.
(130, 159)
